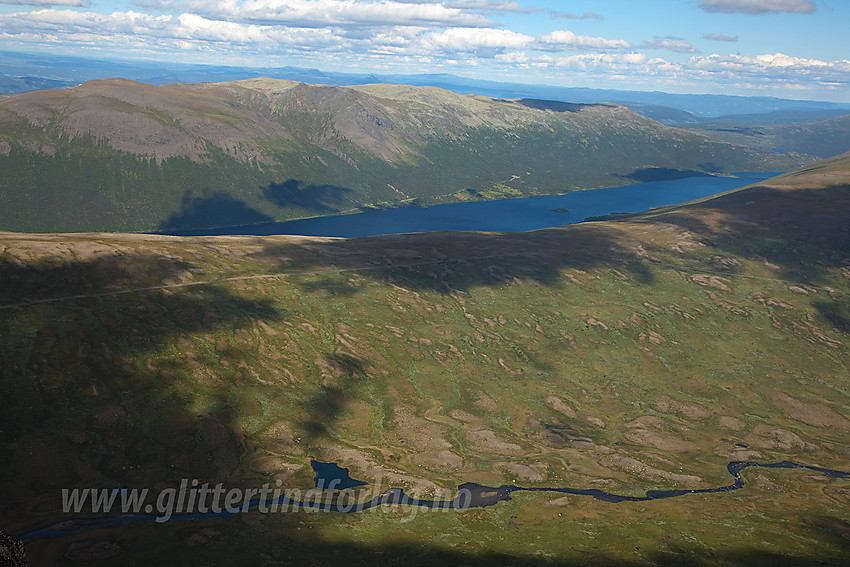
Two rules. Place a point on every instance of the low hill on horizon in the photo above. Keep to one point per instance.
(824, 139)
(118, 155)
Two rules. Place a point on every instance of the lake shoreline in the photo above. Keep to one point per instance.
(523, 214)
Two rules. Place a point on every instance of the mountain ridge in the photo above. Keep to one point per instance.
(119, 155)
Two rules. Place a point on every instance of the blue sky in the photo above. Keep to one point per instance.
(785, 48)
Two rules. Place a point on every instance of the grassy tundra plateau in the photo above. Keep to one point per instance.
(628, 355)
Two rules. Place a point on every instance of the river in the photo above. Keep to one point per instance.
(469, 495)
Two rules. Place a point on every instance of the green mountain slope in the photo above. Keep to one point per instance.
(117, 155)
(623, 356)
(823, 139)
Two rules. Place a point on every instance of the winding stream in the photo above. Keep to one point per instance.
(470, 495)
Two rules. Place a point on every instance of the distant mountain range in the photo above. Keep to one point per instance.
(21, 72)
(121, 155)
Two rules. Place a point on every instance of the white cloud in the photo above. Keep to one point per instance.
(169, 33)
(720, 37)
(494, 6)
(489, 5)
(563, 40)
(670, 43)
(165, 33)
(81, 3)
(486, 42)
(322, 13)
(776, 66)
(722, 73)
(555, 15)
(757, 6)
(410, 48)
(604, 63)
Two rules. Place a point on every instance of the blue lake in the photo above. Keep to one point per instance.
(508, 215)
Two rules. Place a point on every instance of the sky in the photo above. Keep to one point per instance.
(796, 49)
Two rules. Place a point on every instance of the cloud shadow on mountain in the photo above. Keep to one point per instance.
(210, 209)
(294, 193)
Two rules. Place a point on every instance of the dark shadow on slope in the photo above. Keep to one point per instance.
(328, 286)
(639, 270)
(447, 262)
(101, 389)
(802, 231)
(644, 174)
(292, 193)
(837, 314)
(327, 553)
(553, 105)
(711, 167)
(736, 129)
(53, 277)
(832, 529)
(241, 546)
(334, 395)
(211, 209)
